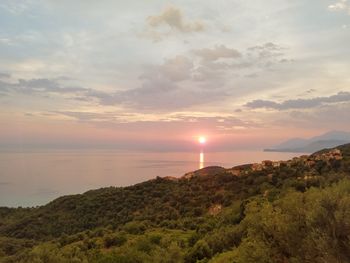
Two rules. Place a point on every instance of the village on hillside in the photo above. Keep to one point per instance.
(307, 160)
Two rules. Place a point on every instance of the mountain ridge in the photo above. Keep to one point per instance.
(299, 145)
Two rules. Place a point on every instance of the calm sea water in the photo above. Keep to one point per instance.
(35, 178)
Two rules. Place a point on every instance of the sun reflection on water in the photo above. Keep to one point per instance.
(201, 160)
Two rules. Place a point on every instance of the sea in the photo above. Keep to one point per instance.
(35, 177)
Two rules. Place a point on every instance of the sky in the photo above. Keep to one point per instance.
(154, 75)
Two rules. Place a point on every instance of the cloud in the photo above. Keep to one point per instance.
(266, 46)
(194, 78)
(44, 85)
(39, 86)
(257, 104)
(267, 50)
(299, 103)
(171, 121)
(341, 5)
(86, 116)
(159, 91)
(323, 117)
(167, 86)
(4, 75)
(260, 55)
(174, 69)
(216, 62)
(161, 94)
(217, 52)
(310, 91)
(173, 18)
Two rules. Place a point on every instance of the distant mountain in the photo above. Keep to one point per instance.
(328, 140)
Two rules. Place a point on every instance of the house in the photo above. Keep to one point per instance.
(235, 171)
(267, 163)
(336, 154)
(257, 167)
(276, 164)
(310, 163)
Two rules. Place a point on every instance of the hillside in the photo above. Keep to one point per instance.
(285, 211)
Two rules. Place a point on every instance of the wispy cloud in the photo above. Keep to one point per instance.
(299, 103)
(115, 120)
(38, 86)
(221, 51)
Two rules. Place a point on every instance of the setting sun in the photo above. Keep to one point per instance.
(202, 139)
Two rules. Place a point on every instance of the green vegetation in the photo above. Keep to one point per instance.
(290, 213)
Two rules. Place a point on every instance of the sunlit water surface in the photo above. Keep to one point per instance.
(35, 178)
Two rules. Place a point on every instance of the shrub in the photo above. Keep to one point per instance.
(114, 240)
